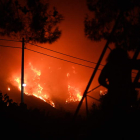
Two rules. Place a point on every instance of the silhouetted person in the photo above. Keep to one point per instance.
(116, 77)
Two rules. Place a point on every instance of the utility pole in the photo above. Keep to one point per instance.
(22, 72)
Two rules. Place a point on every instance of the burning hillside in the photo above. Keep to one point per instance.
(38, 88)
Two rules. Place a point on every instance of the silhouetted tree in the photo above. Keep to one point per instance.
(30, 19)
(105, 13)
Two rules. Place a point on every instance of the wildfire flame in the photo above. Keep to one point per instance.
(33, 87)
(38, 72)
(74, 93)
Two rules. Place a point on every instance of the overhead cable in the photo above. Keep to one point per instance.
(10, 40)
(60, 58)
(64, 54)
(10, 46)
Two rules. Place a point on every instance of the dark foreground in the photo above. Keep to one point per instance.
(18, 122)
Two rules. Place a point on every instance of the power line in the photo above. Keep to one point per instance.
(52, 51)
(64, 54)
(61, 59)
(71, 55)
(10, 46)
(10, 40)
(55, 51)
(68, 54)
(54, 57)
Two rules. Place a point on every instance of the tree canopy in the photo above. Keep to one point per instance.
(104, 15)
(31, 19)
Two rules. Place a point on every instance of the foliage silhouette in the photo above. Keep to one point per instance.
(30, 19)
(104, 15)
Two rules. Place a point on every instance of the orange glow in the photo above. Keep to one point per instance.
(9, 89)
(68, 74)
(33, 86)
(53, 72)
(103, 92)
(74, 94)
(17, 79)
(38, 72)
(40, 90)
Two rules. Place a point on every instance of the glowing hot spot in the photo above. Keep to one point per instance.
(74, 94)
(33, 86)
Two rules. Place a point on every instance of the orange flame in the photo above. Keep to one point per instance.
(74, 93)
(33, 87)
(38, 72)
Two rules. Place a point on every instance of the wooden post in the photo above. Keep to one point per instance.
(22, 72)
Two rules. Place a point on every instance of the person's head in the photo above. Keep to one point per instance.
(117, 55)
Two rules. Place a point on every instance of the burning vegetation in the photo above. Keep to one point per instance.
(35, 87)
